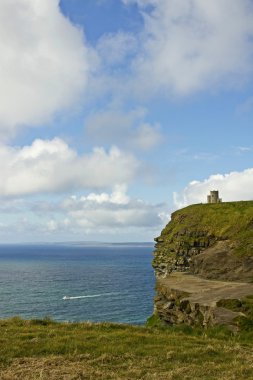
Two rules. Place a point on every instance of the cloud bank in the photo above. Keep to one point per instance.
(43, 62)
(115, 210)
(194, 45)
(234, 186)
(123, 128)
(97, 215)
(52, 166)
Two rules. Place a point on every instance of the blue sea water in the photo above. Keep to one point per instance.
(112, 282)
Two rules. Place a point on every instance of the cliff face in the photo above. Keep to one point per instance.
(188, 299)
(211, 241)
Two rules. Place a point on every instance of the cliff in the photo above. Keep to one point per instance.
(201, 247)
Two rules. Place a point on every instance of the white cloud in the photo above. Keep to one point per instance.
(194, 45)
(118, 197)
(120, 46)
(147, 136)
(95, 216)
(113, 124)
(124, 128)
(243, 149)
(234, 186)
(115, 210)
(52, 166)
(51, 225)
(43, 62)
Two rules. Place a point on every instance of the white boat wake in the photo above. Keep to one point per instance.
(88, 296)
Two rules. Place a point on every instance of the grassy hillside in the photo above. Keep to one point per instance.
(231, 220)
(48, 350)
(225, 227)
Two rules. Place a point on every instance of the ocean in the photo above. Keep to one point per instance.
(77, 282)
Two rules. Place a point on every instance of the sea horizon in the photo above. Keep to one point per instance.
(82, 243)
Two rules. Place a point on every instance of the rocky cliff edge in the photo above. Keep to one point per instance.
(208, 242)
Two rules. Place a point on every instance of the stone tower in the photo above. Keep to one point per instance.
(214, 197)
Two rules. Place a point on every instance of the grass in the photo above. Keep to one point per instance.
(44, 349)
(202, 225)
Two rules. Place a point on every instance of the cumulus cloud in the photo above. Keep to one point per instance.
(43, 62)
(193, 45)
(112, 210)
(147, 136)
(234, 186)
(95, 215)
(52, 166)
(124, 128)
(121, 46)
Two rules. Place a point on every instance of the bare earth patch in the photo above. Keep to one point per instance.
(203, 293)
(206, 292)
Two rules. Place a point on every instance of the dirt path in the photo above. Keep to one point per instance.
(206, 292)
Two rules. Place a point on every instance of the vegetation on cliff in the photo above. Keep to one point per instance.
(206, 242)
(195, 229)
(43, 349)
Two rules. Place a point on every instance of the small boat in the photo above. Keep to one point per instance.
(66, 298)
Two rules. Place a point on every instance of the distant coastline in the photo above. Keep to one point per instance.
(82, 243)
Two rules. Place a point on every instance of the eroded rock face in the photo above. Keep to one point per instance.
(178, 253)
(173, 307)
(191, 300)
(213, 241)
(212, 259)
(219, 262)
(209, 241)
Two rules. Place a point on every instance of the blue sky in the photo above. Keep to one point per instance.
(114, 113)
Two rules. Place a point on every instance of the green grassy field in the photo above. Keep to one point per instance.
(43, 349)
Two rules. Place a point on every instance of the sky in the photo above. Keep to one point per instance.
(115, 113)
